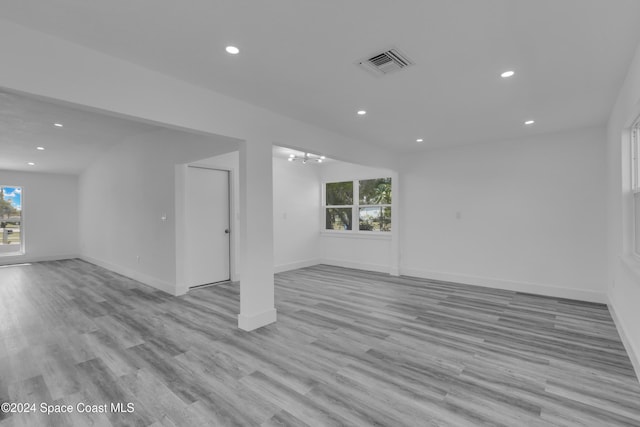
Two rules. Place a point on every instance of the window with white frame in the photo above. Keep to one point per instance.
(635, 182)
(11, 226)
(365, 202)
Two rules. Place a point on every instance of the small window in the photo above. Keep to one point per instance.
(365, 203)
(11, 228)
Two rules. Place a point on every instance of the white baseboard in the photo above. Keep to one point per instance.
(624, 336)
(530, 288)
(21, 259)
(295, 265)
(255, 321)
(356, 265)
(154, 282)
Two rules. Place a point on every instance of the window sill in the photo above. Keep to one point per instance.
(11, 254)
(375, 235)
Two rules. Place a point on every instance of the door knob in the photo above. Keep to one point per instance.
(226, 231)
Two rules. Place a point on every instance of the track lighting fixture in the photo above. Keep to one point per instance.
(308, 157)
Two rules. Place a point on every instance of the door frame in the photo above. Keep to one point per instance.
(181, 171)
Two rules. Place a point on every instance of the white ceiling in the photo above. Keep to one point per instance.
(27, 123)
(298, 58)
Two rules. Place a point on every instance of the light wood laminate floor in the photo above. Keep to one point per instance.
(349, 348)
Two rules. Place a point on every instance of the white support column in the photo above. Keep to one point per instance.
(256, 235)
(395, 224)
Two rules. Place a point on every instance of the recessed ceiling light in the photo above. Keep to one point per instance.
(290, 159)
(361, 112)
(506, 74)
(31, 164)
(58, 125)
(40, 148)
(529, 122)
(232, 50)
(322, 157)
(319, 160)
(292, 155)
(419, 140)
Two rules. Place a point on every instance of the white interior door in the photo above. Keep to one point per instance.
(207, 214)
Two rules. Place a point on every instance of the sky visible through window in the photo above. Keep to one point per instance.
(13, 195)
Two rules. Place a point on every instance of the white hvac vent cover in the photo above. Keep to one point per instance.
(386, 62)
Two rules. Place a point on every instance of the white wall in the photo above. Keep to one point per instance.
(50, 215)
(123, 197)
(296, 214)
(370, 251)
(623, 268)
(532, 215)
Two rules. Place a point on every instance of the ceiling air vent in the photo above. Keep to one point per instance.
(386, 62)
